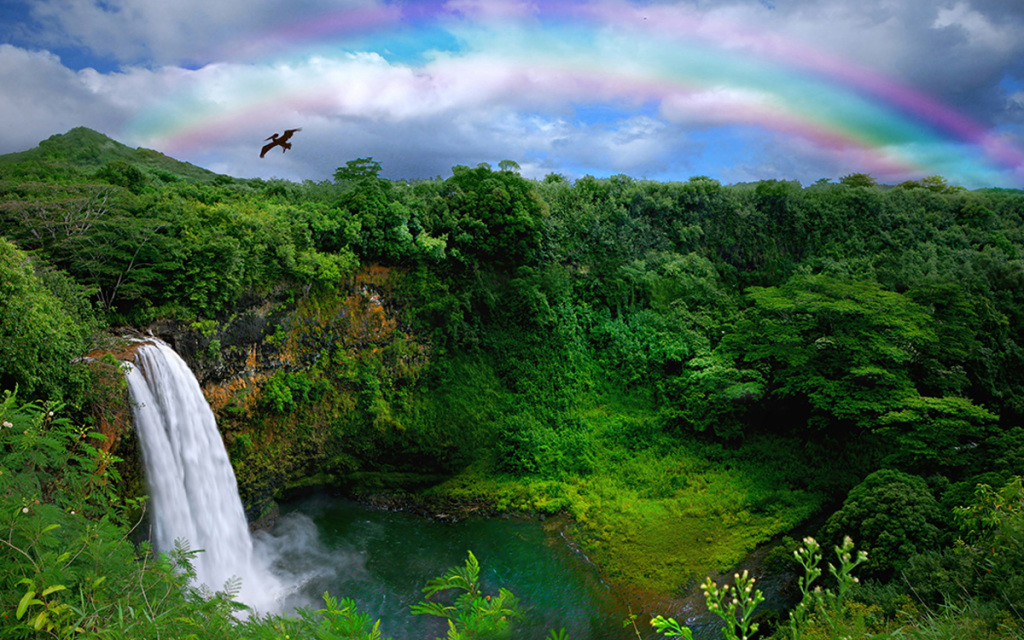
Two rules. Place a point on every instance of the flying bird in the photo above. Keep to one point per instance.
(279, 140)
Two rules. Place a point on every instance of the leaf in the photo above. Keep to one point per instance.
(54, 589)
(670, 628)
(40, 620)
(232, 586)
(432, 609)
(26, 600)
(453, 633)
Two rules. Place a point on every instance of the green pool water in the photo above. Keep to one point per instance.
(382, 560)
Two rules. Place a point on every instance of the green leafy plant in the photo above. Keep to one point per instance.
(341, 620)
(734, 604)
(40, 610)
(669, 628)
(895, 515)
(825, 606)
(471, 614)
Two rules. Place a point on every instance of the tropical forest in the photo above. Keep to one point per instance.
(686, 375)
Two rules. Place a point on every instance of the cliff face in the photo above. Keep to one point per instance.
(230, 360)
(110, 411)
(222, 354)
(307, 393)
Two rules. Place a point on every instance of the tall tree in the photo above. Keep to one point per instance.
(843, 348)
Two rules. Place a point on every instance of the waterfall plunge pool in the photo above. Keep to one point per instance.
(380, 559)
(383, 559)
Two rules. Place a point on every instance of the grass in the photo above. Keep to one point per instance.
(659, 510)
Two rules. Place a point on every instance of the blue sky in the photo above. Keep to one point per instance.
(738, 90)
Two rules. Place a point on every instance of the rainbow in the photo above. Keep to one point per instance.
(697, 71)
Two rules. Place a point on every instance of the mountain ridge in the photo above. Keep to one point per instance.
(85, 149)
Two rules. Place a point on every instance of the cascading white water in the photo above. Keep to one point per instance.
(194, 494)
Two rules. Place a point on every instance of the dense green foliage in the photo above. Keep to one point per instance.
(896, 513)
(687, 368)
(43, 327)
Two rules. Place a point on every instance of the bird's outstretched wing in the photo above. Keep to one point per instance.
(279, 140)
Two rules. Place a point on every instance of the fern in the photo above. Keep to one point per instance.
(232, 587)
(457, 578)
(472, 615)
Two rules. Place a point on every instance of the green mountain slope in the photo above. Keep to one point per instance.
(83, 150)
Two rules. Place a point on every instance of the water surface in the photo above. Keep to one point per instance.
(382, 560)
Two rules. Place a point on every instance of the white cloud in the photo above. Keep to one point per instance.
(473, 107)
(1016, 100)
(956, 52)
(42, 97)
(720, 105)
(980, 30)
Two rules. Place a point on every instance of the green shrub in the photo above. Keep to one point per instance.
(894, 515)
(549, 445)
(38, 337)
(69, 568)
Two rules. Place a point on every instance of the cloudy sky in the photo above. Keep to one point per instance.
(737, 90)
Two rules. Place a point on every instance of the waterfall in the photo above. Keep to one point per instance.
(193, 491)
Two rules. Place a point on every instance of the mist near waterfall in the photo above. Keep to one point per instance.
(302, 566)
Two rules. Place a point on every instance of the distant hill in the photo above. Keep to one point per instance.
(84, 150)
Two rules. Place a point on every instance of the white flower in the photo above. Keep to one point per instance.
(7, 424)
(24, 510)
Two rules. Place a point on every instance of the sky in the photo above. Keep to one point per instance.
(738, 90)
